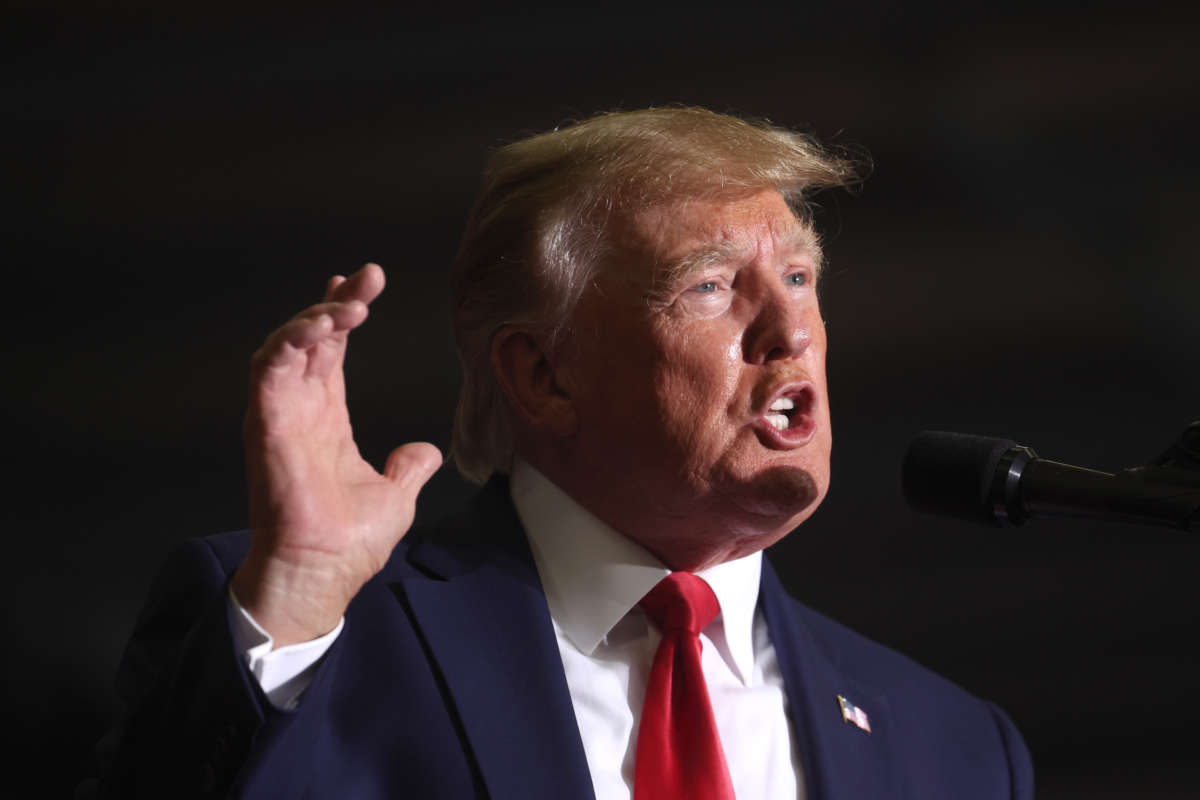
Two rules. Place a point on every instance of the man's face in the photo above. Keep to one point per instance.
(698, 372)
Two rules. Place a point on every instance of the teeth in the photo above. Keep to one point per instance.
(783, 404)
(778, 420)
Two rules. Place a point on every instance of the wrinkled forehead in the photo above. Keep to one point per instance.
(670, 241)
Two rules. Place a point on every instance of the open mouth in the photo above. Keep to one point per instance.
(789, 417)
(789, 409)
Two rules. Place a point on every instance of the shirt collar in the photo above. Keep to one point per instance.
(593, 575)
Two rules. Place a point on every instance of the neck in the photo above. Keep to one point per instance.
(691, 534)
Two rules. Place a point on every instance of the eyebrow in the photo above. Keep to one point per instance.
(800, 239)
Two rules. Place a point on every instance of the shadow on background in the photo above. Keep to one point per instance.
(1021, 263)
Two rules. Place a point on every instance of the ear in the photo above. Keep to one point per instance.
(530, 382)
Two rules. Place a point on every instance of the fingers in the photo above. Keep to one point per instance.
(364, 285)
(313, 341)
(412, 465)
(333, 284)
(346, 315)
(287, 344)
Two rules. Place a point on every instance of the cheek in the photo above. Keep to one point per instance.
(698, 388)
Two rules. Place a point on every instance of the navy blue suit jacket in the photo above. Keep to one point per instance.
(447, 683)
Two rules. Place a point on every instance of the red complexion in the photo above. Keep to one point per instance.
(706, 316)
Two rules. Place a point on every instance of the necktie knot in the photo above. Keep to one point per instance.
(681, 601)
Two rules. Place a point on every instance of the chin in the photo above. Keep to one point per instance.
(782, 495)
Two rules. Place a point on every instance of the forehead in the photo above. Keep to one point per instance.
(686, 235)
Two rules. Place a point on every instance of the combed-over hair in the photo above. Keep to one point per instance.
(536, 235)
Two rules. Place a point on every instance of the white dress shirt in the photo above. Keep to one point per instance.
(593, 578)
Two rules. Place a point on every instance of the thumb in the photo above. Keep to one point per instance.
(412, 465)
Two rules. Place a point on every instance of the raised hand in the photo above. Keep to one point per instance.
(324, 521)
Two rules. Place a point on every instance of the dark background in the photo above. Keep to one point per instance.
(1020, 263)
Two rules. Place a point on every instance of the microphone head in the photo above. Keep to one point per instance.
(953, 474)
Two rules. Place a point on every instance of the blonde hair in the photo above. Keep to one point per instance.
(536, 235)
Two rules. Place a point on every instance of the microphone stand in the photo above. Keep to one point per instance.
(1165, 492)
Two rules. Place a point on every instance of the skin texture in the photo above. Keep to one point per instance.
(650, 416)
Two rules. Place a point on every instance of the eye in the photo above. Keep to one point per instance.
(796, 279)
(706, 298)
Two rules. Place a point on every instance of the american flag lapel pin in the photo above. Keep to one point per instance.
(853, 714)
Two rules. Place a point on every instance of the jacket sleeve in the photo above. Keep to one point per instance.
(1020, 765)
(193, 721)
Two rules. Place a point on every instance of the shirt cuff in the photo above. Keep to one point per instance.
(282, 674)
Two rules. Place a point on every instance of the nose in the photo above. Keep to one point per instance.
(780, 330)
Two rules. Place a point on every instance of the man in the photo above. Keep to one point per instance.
(644, 394)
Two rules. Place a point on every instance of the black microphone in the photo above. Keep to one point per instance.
(1000, 482)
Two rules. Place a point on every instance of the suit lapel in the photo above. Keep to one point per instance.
(840, 761)
(485, 621)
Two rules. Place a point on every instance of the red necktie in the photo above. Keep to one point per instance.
(679, 755)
